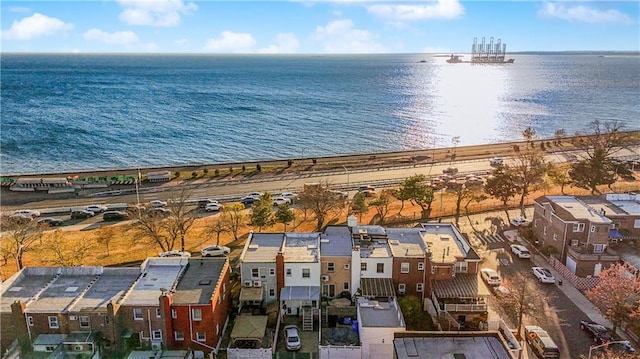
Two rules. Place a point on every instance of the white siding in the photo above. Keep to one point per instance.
(296, 278)
(372, 267)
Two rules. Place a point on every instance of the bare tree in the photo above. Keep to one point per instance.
(151, 227)
(528, 173)
(181, 217)
(382, 203)
(320, 200)
(522, 300)
(462, 191)
(234, 216)
(217, 228)
(20, 234)
(104, 235)
(558, 174)
(67, 252)
(500, 185)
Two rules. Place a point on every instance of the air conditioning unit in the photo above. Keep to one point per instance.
(346, 266)
(73, 317)
(156, 345)
(248, 284)
(325, 278)
(257, 283)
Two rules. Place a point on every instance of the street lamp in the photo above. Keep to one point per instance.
(604, 345)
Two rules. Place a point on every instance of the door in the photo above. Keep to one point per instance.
(596, 269)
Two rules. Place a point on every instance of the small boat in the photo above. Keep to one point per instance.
(454, 59)
(421, 61)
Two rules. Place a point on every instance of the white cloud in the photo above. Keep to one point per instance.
(162, 13)
(582, 13)
(286, 43)
(20, 9)
(231, 42)
(114, 38)
(442, 9)
(35, 26)
(340, 36)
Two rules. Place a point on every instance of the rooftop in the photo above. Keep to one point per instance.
(336, 241)
(301, 247)
(627, 203)
(199, 281)
(407, 242)
(263, 247)
(110, 286)
(579, 209)
(156, 273)
(446, 243)
(372, 313)
(463, 285)
(24, 285)
(443, 345)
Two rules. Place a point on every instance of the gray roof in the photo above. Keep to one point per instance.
(627, 203)
(25, 285)
(300, 293)
(407, 242)
(445, 239)
(110, 287)
(336, 241)
(156, 273)
(579, 209)
(477, 346)
(263, 247)
(301, 247)
(379, 314)
(199, 281)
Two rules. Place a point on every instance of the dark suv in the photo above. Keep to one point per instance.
(82, 213)
(114, 216)
(598, 332)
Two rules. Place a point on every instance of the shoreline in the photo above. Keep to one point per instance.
(439, 154)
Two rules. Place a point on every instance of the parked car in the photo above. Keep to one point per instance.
(159, 211)
(543, 275)
(598, 332)
(450, 170)
(81, 213)
(255, 195)
(215, 251)
(213, 207)
(115, 216)
(51, 222)
(490, 277)
(496, 161)
(174, 253)
(277, 201)
(520, 251)
(157, 203)
(96, 208)
(204, 202)
(290, 195)
(26, 212)
(622, 346)
(519, 221)
(292, 337)
(248, 201)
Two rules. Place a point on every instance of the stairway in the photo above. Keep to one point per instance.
(307, 319)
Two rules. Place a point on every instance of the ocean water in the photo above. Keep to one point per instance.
(81, 112)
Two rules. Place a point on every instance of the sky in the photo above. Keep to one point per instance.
(316, 27)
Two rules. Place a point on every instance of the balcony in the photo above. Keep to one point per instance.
(457, 308)
(583, 254)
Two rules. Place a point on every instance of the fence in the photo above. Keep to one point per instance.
(580, 283)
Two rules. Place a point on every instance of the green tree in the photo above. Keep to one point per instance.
(262, 212)
(501, 186)
(321, 201)
(559, 176)
(234, 216)
(381, 204)
(284, 215)
(528, 173)
(529, 134)
(359, 205)
(559, 135)
(462, 191)
(593, 172)
(417, 190)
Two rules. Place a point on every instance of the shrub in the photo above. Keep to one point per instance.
(230, 169)
(289, 163)
(549, 250)
(516, 148)
(205, 171)
(194, 174)
(258, 167)
(243, 168)
(177, 174)
(216, 172)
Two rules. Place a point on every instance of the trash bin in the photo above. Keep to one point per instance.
(560, 282)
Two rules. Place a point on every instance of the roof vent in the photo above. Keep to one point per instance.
(71, 289)
(205, 282)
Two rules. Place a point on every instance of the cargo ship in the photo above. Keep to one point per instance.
(483, 53)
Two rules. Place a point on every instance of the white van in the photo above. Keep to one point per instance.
(496, 161)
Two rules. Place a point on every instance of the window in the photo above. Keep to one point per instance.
(178, 335)
(363, 266)
(578, 227)
(421, 266)
(419, 287)
(53, 323)
(593, 229)
(157, 335)
(555, 236)
(598, 248)
(380, 267)
(272, 292)
(574, 242)
(544, 230)
(196, 314)
(433, 270)
(306, 273)
(49, 348)
(201, 336)
(402, 288)
(84, 321)
(404, 267)
(30, 320)
(288, 272)
(106, 319)
(331, 267)
(272, 272)
(137, 314)
(158, 313)
(345, 286)
(255, 273)
(461, 267)
(174, 313)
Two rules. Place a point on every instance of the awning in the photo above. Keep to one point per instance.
(300, 293)
(251, 294)
(377, 287)
(613, 233)
(249, 327)
(460, 286)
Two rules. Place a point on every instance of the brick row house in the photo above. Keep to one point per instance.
(578, 230)
(82, 310)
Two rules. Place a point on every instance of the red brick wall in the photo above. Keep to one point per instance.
(410, 279)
